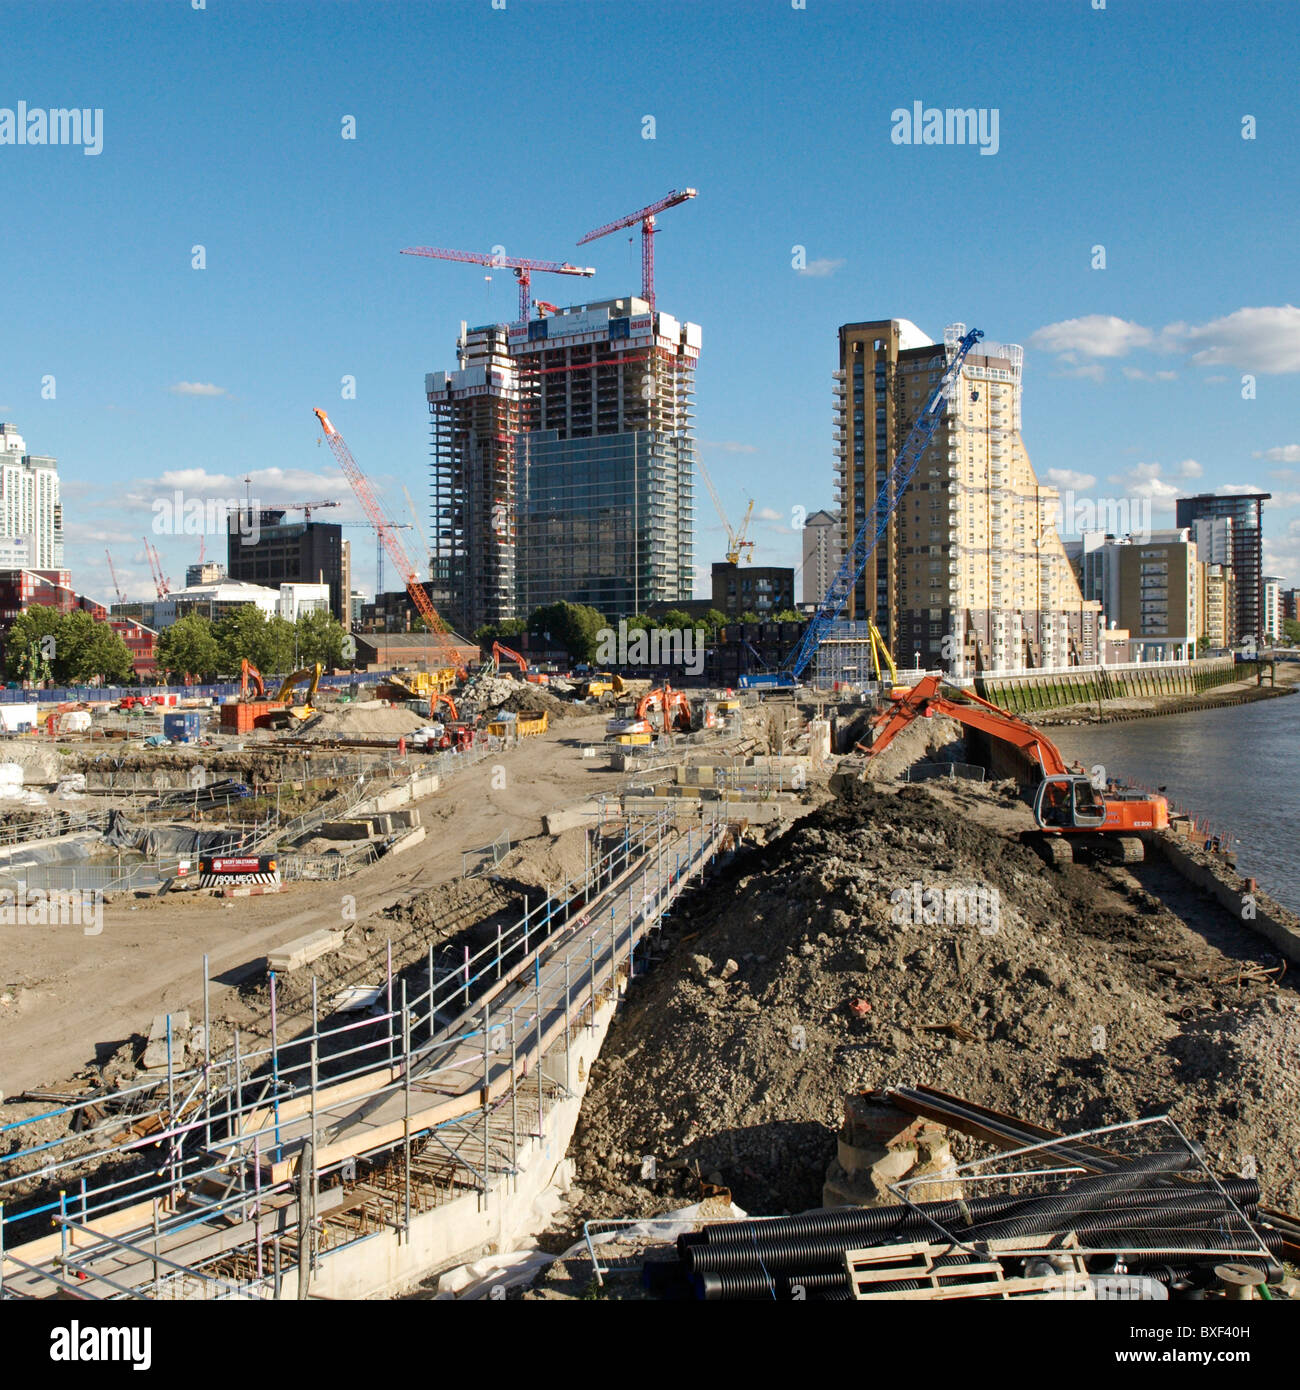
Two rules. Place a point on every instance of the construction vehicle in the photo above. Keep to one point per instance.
(310, 674)
(531, 676)
(417, 685)
(601, 683)
(874, 524)
(1070, 812)
(248, 673)
(671, 706)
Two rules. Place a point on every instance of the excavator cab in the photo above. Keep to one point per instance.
(1069, 802)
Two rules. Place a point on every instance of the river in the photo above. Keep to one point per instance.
(1237, 767)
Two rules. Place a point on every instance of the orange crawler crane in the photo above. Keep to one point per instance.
(1070, 813)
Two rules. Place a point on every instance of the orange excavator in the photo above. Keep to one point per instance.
(248, 672)
(533, 677)
(672, 707)
(1069, 811)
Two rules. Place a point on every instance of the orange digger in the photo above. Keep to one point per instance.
(1070, 812)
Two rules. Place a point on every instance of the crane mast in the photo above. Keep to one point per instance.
(873, 523)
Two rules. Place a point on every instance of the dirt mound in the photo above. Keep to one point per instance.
(373, 719)
(818, 965)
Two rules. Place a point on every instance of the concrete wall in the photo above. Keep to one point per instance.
(516, 1207)
(1055, 689)
(1254, 910)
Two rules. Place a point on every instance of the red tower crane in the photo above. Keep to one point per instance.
(646, 217)
(523, 269)
(385, 530)
(161, 584)
(121, 597)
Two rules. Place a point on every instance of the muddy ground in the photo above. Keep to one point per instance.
(1090, 996)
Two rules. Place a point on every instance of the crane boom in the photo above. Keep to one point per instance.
(522, 267)
(874, 522)
(646, 217)
(112, 573)
(383, 528)
(736, 541)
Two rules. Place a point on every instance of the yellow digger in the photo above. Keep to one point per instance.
(312, 675)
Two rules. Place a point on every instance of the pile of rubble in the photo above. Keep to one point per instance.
(891, 939)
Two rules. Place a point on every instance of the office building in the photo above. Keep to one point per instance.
(270, 551)
(969, 573)
(205, 572)
(1154, 582)
(763, 590)
(1245, 549)
(31, 514)
(563, 464)
(822, 553)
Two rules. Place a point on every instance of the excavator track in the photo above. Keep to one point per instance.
(1055, 850)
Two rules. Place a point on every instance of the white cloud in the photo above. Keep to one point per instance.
(1093, 371)
(1189, 468)
(1068, 479)
(769, 514)
(1094, 335)
(1137, 374)
(196, 388)
(1146, 481)
(820, 269)
(729, 446)
(1265, 339)
(1285, 453)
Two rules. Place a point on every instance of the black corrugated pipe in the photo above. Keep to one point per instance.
(1179, 1210)
(864, 1221)
(715, 1286)
(1159, 1244)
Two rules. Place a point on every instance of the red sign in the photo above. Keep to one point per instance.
(235, 866)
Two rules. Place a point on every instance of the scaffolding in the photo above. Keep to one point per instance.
(265, 1163)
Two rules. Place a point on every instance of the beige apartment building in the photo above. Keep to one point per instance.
(1217, 605)
(970, 573)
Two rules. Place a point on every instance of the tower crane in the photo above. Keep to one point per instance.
(162, 585)
(646, 217)
(419, 530)
(523, 269)
(874, 522)
(306, 508)
(736, 541)
(387, 533)
(112, 573)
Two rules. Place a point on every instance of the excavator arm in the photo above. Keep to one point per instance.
(974, 712)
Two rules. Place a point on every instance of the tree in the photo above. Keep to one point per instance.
(30, 626)
(190, 648)
(749, 617)
(500, 632)
(247, 633)
(89, 650)
(675, 620)
(787, 615)
(1291, 629)
(714, 619)
(573, 626)
(319, 637)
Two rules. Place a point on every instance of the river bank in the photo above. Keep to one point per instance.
(1115, 711)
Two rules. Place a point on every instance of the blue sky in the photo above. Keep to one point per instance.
(522, 127)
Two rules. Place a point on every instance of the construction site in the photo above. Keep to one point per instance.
(475, 981)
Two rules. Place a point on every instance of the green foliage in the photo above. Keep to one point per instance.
(500, 632)
(787, 615)
(189, 648)
(573, 626)
(1291, 629)
(248, 632)
(749, 617)
(714, 619)
(68, 648)
(319, 637)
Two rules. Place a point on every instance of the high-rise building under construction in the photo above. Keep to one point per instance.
(970, 572)
(563, 464)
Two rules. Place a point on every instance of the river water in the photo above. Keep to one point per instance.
(1238, 768)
